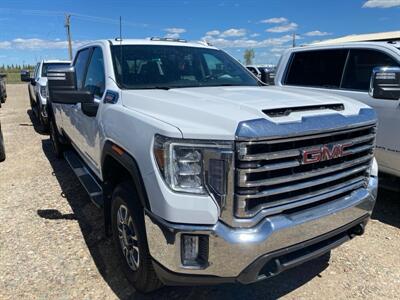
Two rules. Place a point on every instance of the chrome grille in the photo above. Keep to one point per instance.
(272, 177)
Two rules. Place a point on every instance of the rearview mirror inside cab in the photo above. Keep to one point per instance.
(385, 83)
(63, 88)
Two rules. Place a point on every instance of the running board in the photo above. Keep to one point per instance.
(91, 185)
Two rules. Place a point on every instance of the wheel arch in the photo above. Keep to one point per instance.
(118, 166)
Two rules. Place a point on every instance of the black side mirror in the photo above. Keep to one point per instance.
(32, 81)
(63, 88)
(25, 76)
(385, 83)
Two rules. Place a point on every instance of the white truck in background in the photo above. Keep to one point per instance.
(37, 89)
(204, 174)
(365, 71)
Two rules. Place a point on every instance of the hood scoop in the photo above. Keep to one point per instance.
(284, 112)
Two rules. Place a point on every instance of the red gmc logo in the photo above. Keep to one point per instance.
(326, 152)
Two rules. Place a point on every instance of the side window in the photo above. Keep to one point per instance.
(80, 66)
(35, 75)
(95, 77)
(359, 67)
(322, 68)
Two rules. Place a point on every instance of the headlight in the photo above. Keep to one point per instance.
(43, 91)
(196, 167)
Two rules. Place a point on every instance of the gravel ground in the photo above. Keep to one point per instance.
(52, 243)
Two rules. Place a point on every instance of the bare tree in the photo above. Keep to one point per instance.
(248, 56)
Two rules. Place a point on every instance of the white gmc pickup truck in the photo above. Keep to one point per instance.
(205, 175)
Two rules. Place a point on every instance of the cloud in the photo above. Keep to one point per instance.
(283, 28)
(233, 32)
(255, 35)
(317, 33)
(38, 44)
(249, 43)
(174, 32)
(381, 3)
(213, 32)
(275, 20)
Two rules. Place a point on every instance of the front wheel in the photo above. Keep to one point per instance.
(129, 235)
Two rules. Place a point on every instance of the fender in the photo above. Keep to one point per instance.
(112, 150)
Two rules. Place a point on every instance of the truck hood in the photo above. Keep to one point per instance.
(215, 112)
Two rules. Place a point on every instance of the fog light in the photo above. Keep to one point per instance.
(194, 250)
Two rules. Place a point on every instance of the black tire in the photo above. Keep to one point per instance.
(30, 98)
(44, 125)
(36, 108)
(58, 147)
(144, 278)
(2, 149)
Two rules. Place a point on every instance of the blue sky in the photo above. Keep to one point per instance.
(32, 30)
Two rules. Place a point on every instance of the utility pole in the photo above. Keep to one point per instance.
(294, 40)
(68, 26)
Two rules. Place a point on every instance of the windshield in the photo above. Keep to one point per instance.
(46, 66)
(152, 66)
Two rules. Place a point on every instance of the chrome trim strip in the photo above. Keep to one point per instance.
(322, 171)
(290, 188)
(277, 207)
(261, 129)
(296, 152)
(270, 167)
(306, 137)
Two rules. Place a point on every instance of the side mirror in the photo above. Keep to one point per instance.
(385, 83)
(25, 76)
(63, 88)
(32, 81)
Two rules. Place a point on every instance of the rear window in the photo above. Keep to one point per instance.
(47, 65)
(322, 68)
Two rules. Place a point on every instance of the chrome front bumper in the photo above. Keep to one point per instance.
(232, 250)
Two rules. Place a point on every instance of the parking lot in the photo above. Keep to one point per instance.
(52, 243)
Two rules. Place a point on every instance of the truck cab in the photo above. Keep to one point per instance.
(346, 69)
(204, 174)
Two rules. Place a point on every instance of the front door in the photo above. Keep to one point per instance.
(86, 128)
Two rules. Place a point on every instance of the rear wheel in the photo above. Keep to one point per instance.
(58, 147)
(129, 235)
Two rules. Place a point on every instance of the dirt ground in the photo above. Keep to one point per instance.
(52, 243)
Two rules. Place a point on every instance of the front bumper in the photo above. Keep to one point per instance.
(240, 254)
